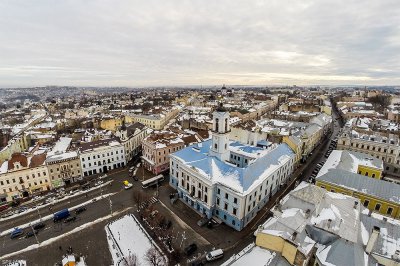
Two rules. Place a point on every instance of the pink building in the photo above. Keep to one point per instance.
(157, 146)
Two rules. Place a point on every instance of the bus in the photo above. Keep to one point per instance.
(152, 181)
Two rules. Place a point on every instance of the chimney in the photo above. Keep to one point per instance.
(307, 215)
(329, 223)
(372, 239)
(294, 235)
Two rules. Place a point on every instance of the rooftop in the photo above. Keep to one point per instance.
(371, 186)
(239, 179)
(349, 161)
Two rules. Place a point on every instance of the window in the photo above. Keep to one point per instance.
(235, 200)
(218, 201)
(233, 222)
(366, 173)
(234, 211)
(373, 175)
(226, 206)
(215, 146)
(366, 203)
(377, 207)
(226, 195)
(224, 217)
(248, 208)
(332, 190)
(389, 211)
(218, 191)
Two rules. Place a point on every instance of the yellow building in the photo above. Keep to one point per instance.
(295, 144)
(154, 121)
(111, 123)
(376, 195)
(283, 243)
(22, 176)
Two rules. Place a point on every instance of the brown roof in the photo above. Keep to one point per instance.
(94, 144)
(37, 160)
(17, 157)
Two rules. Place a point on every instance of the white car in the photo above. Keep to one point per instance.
(128, 186)
(98, 183)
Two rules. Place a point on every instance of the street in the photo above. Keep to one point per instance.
(184, 230)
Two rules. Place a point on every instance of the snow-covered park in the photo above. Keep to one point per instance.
(129, 243)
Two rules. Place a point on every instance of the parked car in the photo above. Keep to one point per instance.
(153, 213)
(98, 183)
(38, 226)
(58, 216)
(202, 221)
(189, 250)
(31, 233)
(214, 255)
(70, 219)
(16, 233)
(127, 185)
(80, 209)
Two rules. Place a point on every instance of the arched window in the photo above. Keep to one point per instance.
(215, 146)
(216, 124)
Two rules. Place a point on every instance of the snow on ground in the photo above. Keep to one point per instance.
(54, 239)
(15, 263)
(55, 201)
(50, 216)
(256, 256)
(126, 237)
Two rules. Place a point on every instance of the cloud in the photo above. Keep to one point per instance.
(144, 43)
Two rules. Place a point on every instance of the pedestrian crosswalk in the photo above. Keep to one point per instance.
(147, 203)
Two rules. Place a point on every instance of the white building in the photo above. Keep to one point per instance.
(131, 137)
(229, 180)
(101, 156)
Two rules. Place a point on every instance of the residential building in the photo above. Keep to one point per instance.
(160, 144)
(312, 226)
(101, 156)
(131, 137)
(229, 180)
(379, 145)
(111, 123)
(23, 175)
(64, 168)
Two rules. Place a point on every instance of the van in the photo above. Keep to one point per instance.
(214, 255)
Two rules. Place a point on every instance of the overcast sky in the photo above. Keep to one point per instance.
(167, 42)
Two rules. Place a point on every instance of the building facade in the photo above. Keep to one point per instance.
(229, 180)
(156, 149)
(22, 176)
(64, 168)
(131, 137)
(101, 156)
(382, 147)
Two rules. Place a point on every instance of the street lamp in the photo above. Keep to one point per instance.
(34, 233)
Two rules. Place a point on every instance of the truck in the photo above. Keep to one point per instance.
(58, 216)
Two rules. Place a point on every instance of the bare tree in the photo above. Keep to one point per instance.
(132, 260)
(153, 257)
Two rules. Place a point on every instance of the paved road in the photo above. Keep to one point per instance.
(232, 241)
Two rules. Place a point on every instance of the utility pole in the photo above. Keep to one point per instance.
(183, 238)
(109, 198)
(37, 208)
(34, 233)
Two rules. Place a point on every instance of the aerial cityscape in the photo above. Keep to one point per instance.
(199, 133)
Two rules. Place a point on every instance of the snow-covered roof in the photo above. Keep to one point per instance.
(61, 146)
(349, 161)
(370, 186)
(242, 180)
(260, 257)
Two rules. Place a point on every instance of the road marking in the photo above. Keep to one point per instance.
(75, 230)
